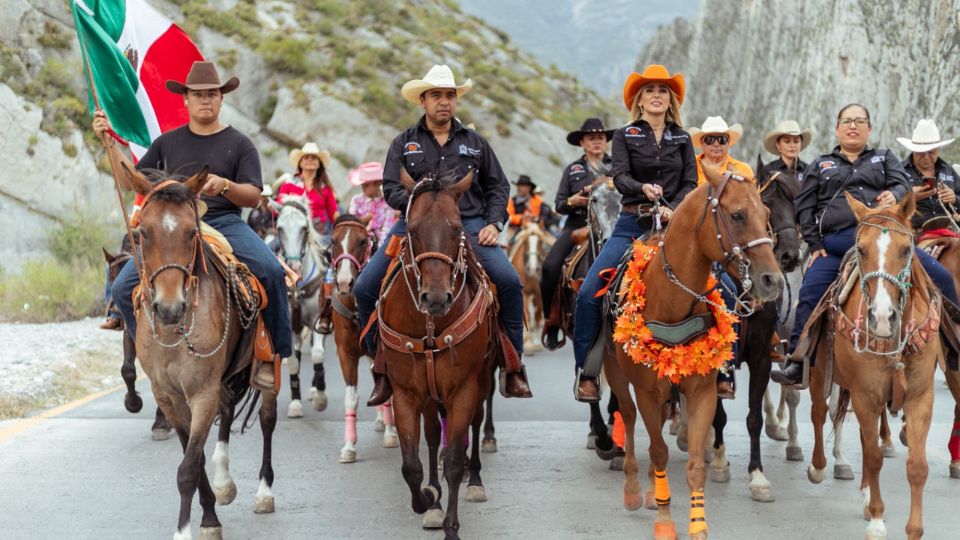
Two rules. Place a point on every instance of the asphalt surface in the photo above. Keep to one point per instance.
(94, 473)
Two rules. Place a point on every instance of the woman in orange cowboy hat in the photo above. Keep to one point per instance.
(653, 158)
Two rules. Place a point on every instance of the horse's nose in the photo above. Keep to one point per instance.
(770, 285)
(884, 322)
(788, 260)
(169, 313)
(436, 304)
(345, 287)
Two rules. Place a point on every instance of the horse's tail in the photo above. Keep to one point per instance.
(843, 401)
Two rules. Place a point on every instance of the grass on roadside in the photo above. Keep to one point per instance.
(48, 290)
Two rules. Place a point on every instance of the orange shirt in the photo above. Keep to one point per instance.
(737, 165)
(533, 209)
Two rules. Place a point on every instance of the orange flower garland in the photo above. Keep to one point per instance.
(700, 356)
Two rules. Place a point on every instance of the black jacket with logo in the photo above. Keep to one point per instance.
(821, 207)
(577, 176)
(930, 207)
(417, 150)
(778, 165)
(638, 160)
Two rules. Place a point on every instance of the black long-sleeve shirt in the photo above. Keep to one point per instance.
(417, 150)
(638, 159)
(577, 176)
(821, 207)
(778, 165)
(930, 207)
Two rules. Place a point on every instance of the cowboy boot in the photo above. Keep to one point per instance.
(790, 375)
(586, 389)
(513, 375)
(382, 390)
(112, 324)
(325, 324)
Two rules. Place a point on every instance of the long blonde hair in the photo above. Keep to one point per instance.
(673, 111)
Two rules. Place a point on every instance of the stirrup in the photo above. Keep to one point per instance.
(804, 380)
(576, 389)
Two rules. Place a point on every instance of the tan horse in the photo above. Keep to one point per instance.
(886, 348)
(724, 208)
(529, 248)
(189, 342)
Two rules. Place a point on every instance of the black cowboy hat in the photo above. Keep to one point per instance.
(590, 125)
(525, 180)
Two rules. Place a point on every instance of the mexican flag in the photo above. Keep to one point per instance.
(131, 50)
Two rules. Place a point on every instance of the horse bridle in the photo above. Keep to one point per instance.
(775, 233)
(303, 245)
(346, 255)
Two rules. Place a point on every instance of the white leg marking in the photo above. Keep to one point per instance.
(264, 503)
(183, 534)
(876, 530)
(221, 465)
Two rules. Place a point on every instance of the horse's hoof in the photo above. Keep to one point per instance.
(378, 425)
(226, 494)
(211, 533)
(433, 518)
(488, 446)
(760, 487)
(132, 402)
(866, 514)
(591, 442)
(476, 494)
(903, 437)
(776, 432)
(876, 530)
(390, 441)
(295, 409)
(632, 501)
(843, 472)
(664, 530)
(794, 453)
(608, 454)
(682, 442)
(161, 433)
(319, 399)
(263, 505)
(814, 474)
(955, 470)
(889, 451)
(720, 476)
(348, 456)
(650, 500)
(616, 464)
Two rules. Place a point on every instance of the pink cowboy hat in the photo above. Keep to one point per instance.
(368, 172)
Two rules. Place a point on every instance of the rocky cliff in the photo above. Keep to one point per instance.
(324, 70)
(760, 61)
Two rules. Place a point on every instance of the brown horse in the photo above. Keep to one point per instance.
(189, 342)
(350, 249)
(723, 221)
(440, 339)
(529, 248)
(886, 316)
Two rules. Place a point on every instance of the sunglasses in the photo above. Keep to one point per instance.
(715, 139)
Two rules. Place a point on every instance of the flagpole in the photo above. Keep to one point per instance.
(110, 147)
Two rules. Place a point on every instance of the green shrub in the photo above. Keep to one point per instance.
(49, 290)
(78, 241)
(285, 54)
(265, 113)
(53, 37)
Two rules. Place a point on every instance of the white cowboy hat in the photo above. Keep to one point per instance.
(925, 137)
(309, 149)
(437, 77)
(716, 124)
(785, 127)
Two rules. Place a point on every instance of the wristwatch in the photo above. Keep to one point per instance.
(226, 188)
(498, 225)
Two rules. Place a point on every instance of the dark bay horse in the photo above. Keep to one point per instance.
(189, 342)
(440, 340)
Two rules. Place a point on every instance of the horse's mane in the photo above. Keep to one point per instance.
(788, 186)
(347, 217)
(175, 193)
(434, 181)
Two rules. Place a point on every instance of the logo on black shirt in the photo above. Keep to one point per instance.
(577, 168)
(633, 131)
(412, 147)
(824, 165)
(467, 151)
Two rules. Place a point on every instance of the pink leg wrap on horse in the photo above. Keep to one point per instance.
(954, 444)
(350, 431)
(388, 413)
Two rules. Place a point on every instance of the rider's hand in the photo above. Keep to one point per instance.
(665, 214)
(578, 200)
(947, 196)
(815, 255)
(652, 191)
(923, 192)
(488, 236)
(101, 124)
(886, 199)
(214, 184)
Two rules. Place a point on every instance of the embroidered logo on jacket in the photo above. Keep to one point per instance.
(878, 159)
(633, 131)
(412, 147)
(824, 165)
(577, 168)
(467, 151)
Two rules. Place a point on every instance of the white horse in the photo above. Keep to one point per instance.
(302, 248)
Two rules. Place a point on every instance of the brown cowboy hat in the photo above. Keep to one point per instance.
(652, 73)
(202, 76)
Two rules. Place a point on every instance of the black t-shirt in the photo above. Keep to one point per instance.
(228, 153)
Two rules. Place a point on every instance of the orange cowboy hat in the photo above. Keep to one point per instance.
(652, 73)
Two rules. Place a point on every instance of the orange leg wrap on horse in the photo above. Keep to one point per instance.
(619, 434)
(698, 516)
(661, 488)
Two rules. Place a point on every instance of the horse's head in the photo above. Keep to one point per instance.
(533, 242)
(350, 247)
(777, 191)
(436, 240)
(293, 230)
(604, 209)
(169, 240)
(885, 255)
(735, 233)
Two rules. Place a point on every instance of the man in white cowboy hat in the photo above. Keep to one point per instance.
(934, 180)
(715, 138)
(787, 140)
(234, 182)
(439, 142)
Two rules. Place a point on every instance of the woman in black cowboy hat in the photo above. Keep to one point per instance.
(572, 198)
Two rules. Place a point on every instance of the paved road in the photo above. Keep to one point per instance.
(95, 473)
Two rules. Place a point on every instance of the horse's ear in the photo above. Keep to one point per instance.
(859, 209)
(135, 179)
(907, 206)
(406, 180)
(761, 169)
(107, 256)
(712, 173)
(196, 182)
(462, 185)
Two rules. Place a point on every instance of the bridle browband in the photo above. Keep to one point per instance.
(346, 255)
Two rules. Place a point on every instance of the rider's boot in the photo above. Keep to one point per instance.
(586, 390)
(790, 375)
(325, 324)
(382, 390)
(513, 375)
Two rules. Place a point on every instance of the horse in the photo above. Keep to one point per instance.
(193, 343)
(528, 249)
(887, 354)
(777, 192)
(350, 248)
(161, 429)
(438, 288)
(303, 250)
(723, 220)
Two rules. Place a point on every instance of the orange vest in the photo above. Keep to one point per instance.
(533, 209)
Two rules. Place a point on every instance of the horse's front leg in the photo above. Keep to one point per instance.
(318, 386)
(191, 474)
(295, 408)
(792, 398)
(759, 379)
(701, 406)
(460, 412)
(224, 487)
(868, 410)
(268, 422)
(407, 408)
(348, 352)
(886, 444)
(719, 465)
(818, 415)
(774, 419)
(920, 409)
(132, 400)
(433, 518)
(489, 430)
(841, 467)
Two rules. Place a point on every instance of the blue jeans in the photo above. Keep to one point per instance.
(493, 260)
(824, 270)
(250, 249)
(586, 318)
(729, 290)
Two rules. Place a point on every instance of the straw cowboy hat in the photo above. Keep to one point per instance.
(203, 76)
(785, 127)
(926, 137)
(366, 173)
(590, 125)
(713, 125)
(653, 73)
(309, 149)
(437, 77)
